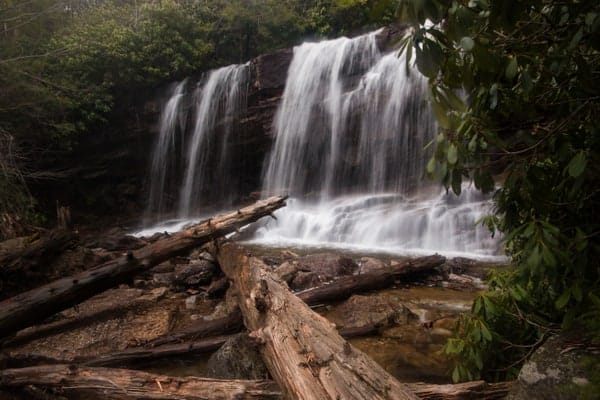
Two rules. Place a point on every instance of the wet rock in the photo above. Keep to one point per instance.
(561, 369)
(360, 310)
(370, 264)
(315, 269)
(238, 358)
(198, 273)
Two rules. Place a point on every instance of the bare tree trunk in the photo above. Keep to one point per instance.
(302, 350)
(31, 307)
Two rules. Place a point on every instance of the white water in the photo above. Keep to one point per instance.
(172, 122)
(357, 150)
(222, 99)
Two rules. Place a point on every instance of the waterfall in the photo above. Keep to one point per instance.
(350, 137)
(350, 134)
(222, 100)
(172, 124)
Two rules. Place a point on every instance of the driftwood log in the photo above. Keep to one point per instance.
(33, 306)
(302, 350)
(123, 384)
(339, 289)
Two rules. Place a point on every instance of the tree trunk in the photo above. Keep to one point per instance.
(31, 307)
(302, 350)
(135, 355)
(346, 286)
(123, 384)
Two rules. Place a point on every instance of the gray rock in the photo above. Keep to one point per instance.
(361, 310)
(198, 273)
(238, 358)
(561, 369)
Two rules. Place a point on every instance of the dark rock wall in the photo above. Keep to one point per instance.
(107, 174)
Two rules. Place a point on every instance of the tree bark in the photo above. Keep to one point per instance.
(302, 350)
(123, 384)
(31, 307)
(136, 355)
(461, 391)
(127, 384)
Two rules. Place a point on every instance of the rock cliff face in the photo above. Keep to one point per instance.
(107, 174)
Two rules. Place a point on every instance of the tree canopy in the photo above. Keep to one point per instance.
(515, 88)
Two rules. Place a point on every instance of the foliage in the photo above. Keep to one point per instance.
(515, 86)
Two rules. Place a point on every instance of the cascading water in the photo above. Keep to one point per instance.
(350, 134)
(350, 137)
(222, 100)
(172, 124)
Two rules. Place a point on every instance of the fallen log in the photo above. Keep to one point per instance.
(123, 384)
(136, 355)
(461, 391)
(206, 345)
(35, 251)
(346, 286)
(33, 306)
(302, 350)
(142, 385)
(231, 323)
(339, 289)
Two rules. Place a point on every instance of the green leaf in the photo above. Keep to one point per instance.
(454, 101)
(473, 144)
(563, 300)
(452, 154)
(431, 166)
(486, 332)
(576, 39)
(429, 58)
(512, 69)
(577, 165)
(441, 115)
(577, 293)
(467, 44)
(455, 375)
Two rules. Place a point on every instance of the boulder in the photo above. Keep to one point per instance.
(563, 368)
(377, 309)
(238, 358)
